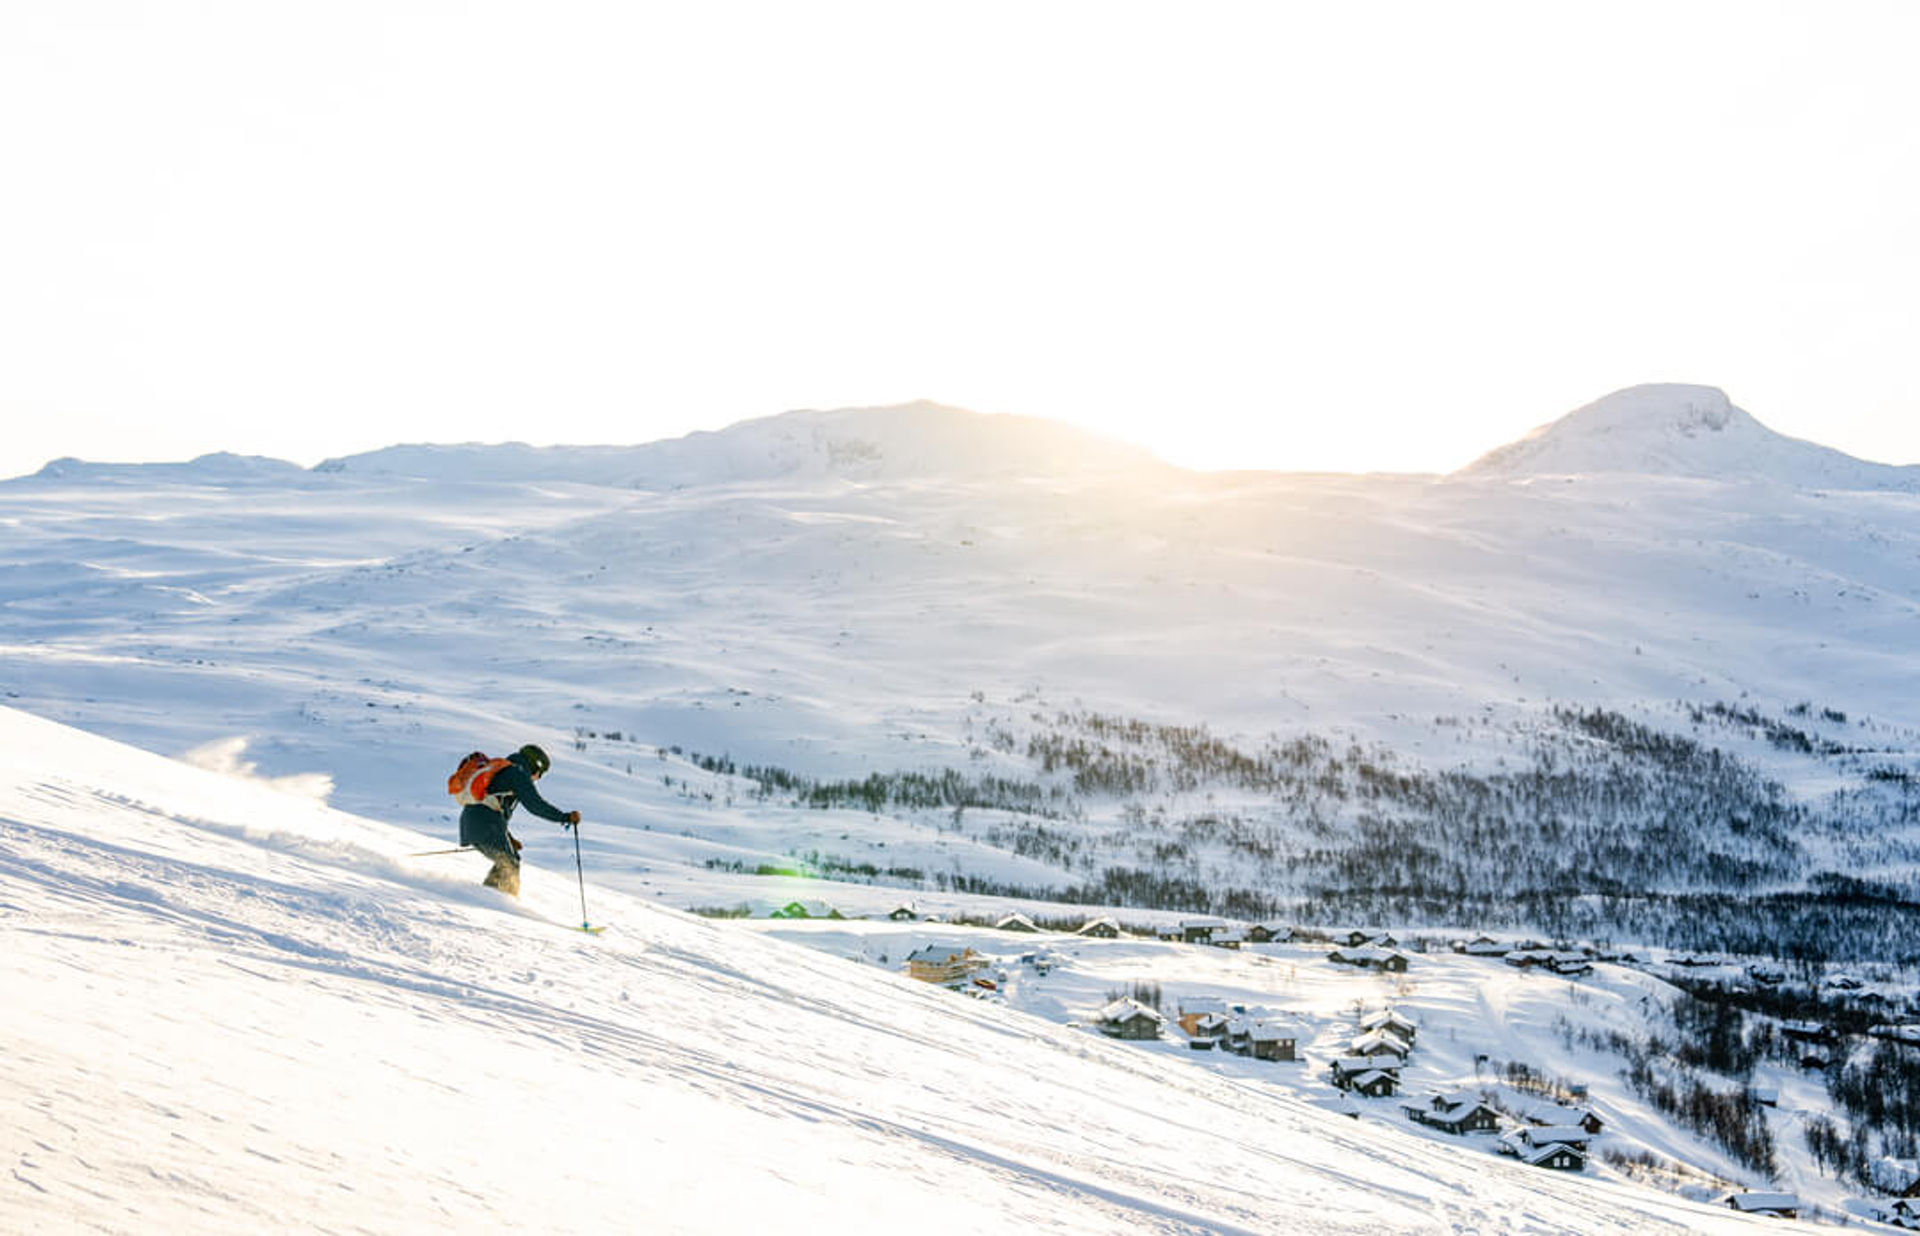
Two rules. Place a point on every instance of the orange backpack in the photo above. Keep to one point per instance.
(469, 782)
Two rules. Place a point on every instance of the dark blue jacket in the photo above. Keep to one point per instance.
(483, 827)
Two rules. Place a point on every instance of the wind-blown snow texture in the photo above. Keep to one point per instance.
(232, 1010)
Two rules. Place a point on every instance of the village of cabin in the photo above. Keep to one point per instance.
(1494, 1046)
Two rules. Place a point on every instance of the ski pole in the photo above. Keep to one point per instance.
(580, 871)
(459, 849)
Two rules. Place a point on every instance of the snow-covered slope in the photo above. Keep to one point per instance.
(374, 627)
(861, 444)
(752, 617)
(231, 1010)
(1678, 430)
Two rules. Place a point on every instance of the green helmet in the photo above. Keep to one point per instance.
(537, 761)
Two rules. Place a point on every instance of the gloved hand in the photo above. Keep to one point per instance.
(514, 842)
(573, 817)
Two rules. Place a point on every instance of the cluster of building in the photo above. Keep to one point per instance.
(1212, 1023)
(1547, 1135)
(1208, 1023)
(1370, 957)
(1531, 956)
(1562, 1145)
(1218, 932)
(1378, 1051)
(1365, 948)
(1556, 1139)
(1362, 947)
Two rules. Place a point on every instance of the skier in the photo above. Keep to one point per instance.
(483, 825)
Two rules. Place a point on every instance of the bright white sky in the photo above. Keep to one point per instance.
(1327, 236)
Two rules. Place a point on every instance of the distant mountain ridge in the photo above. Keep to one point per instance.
(1673, 429)
(890, 443)
(218, 468)
(1667, 429)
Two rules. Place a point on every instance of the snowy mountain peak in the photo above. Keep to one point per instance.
(890, 443)
(1676, 429)
(1678, 407)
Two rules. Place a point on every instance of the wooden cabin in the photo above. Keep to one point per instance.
(1273, 1042)
(1127, 1018)
(945, 966)
(1778, 1205)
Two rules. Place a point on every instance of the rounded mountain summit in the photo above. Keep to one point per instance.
(1673, 429)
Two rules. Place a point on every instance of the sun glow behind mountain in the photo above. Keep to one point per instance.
(1277, 236)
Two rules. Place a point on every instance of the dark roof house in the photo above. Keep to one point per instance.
(1457, 1114)
(1380, 1043)
(1374, 1084)
(1200, 930)
(1562, 1158)
(1782, 1205)
(1272, 1041)
(1393, 1021)
(1127, 1018)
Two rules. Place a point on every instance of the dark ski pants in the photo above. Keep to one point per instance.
(486, 831)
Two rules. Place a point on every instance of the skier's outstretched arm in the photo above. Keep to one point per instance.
(531, 800)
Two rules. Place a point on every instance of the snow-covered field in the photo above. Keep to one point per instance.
(234, 1009)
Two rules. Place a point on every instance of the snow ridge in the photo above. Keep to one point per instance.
(860, 444)
(218, 468)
